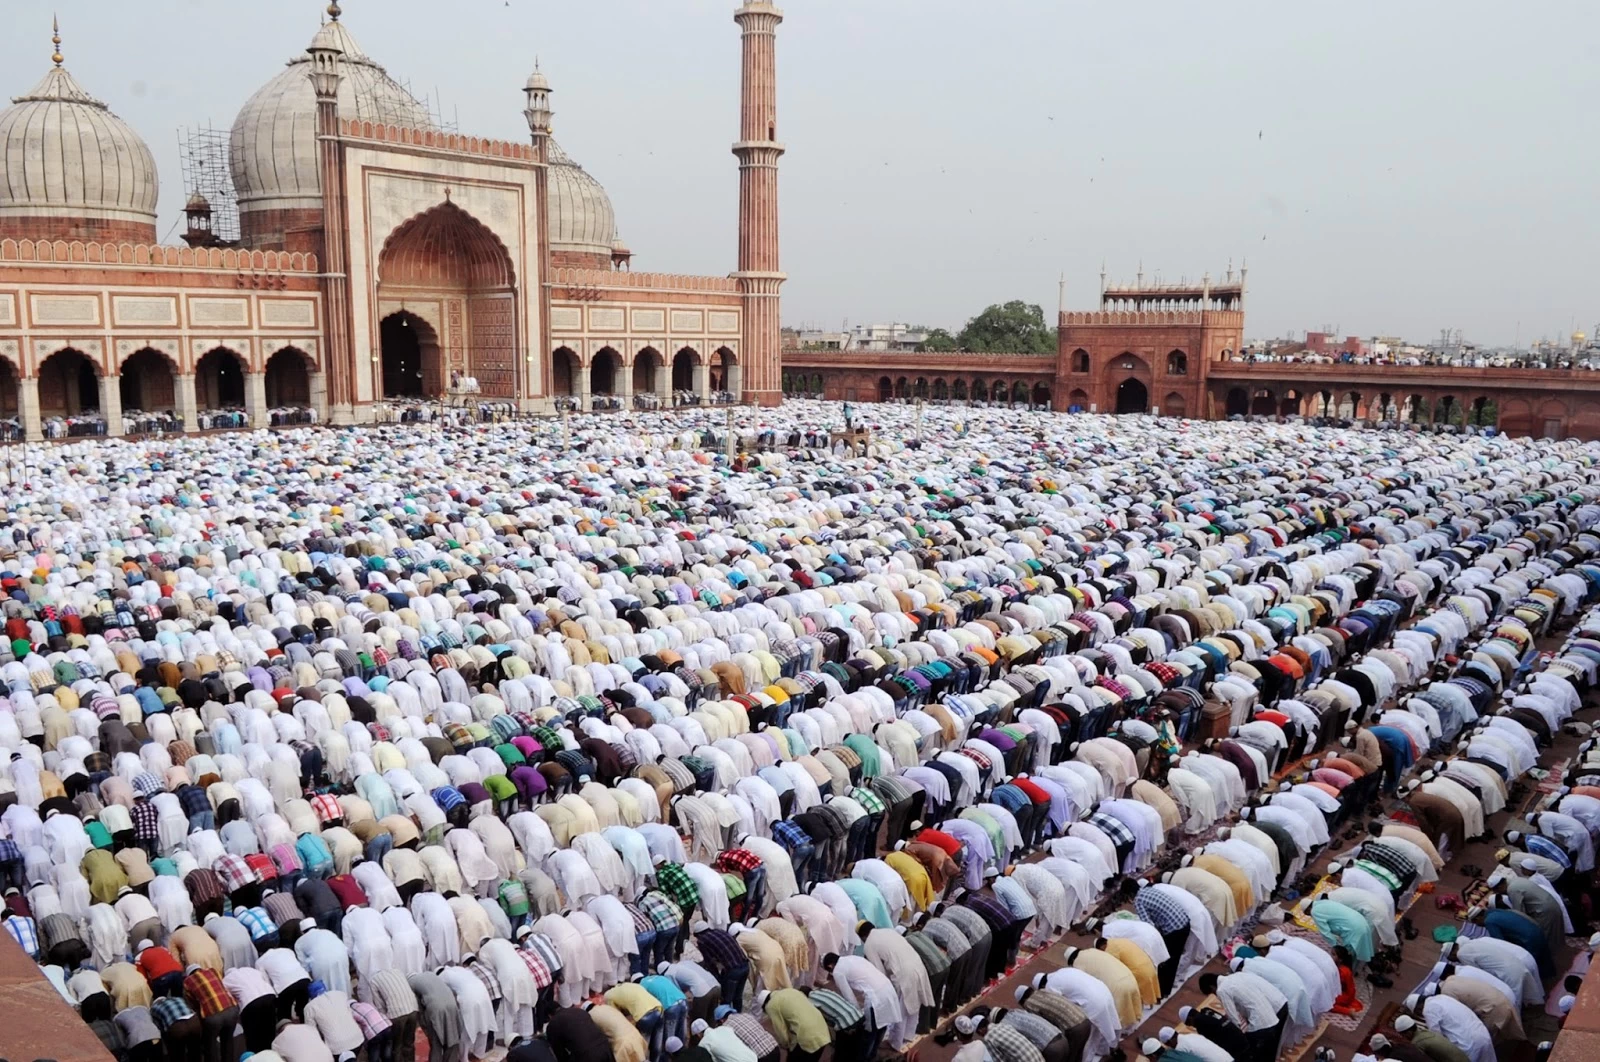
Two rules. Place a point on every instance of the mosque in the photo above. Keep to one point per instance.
(377, 257)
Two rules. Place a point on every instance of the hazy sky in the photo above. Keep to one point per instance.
(1385, 167)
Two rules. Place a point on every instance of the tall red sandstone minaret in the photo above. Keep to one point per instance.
(339, 355)
(758, 150)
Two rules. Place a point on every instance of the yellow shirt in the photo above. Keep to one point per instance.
(1110, 971)
(1138, 963)
(627, 1043)
(915, 875)
(632, 999)
(1238, 882)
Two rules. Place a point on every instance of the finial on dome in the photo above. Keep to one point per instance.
(333, 11)
(55, 39)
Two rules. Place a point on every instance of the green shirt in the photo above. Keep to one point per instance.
(796, 1021)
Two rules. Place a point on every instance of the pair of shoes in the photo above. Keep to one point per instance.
(1379, 981)
(1409, 928)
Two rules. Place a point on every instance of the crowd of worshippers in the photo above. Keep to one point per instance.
(600, 747)
(1485, 718)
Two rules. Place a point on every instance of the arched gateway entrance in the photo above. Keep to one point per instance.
(457, 273)
(1132, 396)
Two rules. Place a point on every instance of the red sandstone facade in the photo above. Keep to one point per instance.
(1172, 350)
(376, 263)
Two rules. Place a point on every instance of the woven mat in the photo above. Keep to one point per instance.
(1387, 1015)
(1352, 1022)
(1295, 1052)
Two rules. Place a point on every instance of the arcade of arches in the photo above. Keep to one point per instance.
(149, 385)
(608, 375)
(1008, 391)
(1515, 416)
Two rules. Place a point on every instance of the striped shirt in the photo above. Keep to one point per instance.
(390, 993)
(1543, 846)
(1055, 1008)
(370, 1019)
(838, 1012)
(22, 930)
(1038, 1031)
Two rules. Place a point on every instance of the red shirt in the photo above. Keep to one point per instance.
(1035, 794)
(1269, 716)
(156, 962)
(348, 890)
(940, 839)
(1339, 763)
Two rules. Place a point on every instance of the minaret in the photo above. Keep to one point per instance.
(538, 113)
(758, 149)
(338, 355)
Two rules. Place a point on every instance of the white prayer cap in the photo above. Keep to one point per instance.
(1405, 1023)
(1150, 1046)
(1167, 1034)
(699, 1026)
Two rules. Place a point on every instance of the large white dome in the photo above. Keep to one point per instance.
(272, 149)
(64, 154)
(581, 220)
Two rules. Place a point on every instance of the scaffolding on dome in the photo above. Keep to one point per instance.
(389, 111)
(203, 160)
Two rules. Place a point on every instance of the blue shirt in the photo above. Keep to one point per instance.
(869, 901)
(1523, 931)
(663, 989)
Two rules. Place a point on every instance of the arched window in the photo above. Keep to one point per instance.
(1177, 363)
(1080, 360)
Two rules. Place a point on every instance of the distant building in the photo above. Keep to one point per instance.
(1325, 343)
(862, 337)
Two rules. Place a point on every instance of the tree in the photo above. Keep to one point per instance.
(937, 339)
(1015, 327)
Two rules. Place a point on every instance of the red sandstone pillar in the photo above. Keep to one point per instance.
(338, 356)
(539, 114)
(758, 151)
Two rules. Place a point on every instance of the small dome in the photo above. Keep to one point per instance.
(197, 203)
(537, 82)
(272, 148)
(66, 155)
(581, 220)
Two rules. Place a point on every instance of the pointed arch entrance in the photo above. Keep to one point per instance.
(219, 380)
(1127, 382)
(289, 379)
(448, 258)
(69, 384)
(1132, 396)
(412, 365)
(146, 383)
